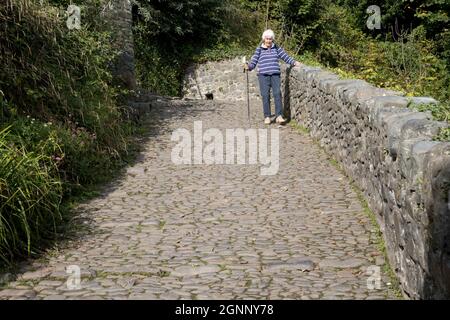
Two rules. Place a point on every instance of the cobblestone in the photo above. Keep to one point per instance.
(166, 231)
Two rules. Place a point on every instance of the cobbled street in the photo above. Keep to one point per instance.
(166, 231)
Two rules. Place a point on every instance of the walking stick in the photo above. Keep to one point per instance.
(248, 98)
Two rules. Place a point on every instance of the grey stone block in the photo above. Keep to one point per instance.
(394, 125)
(391, 101)
(413, 152)
(423, 100)
(436, 194)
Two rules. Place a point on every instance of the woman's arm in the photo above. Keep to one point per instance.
(254, 61)
(285, 57)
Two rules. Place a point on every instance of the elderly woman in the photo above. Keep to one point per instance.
(267, 56)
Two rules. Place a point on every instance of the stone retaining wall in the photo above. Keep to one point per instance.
(119, 17)
(384, 146)
(388, 150)
(225, 80)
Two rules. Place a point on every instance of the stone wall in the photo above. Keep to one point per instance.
(225, 80)
(119, 17)
(388, 150)
(384, 146)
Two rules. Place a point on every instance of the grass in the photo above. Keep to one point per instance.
(302, 129)
(163, 273)
(379, 241)
(31, 199)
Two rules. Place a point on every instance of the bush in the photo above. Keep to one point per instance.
(169, 36)
(62, 127)
(30, 198)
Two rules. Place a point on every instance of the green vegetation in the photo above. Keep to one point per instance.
(169, 35)
(62, 129)
(301, 129)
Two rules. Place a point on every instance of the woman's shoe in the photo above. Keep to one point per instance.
(267, 120)
(280, 120)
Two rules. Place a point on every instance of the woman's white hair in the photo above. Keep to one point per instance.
(269, 34)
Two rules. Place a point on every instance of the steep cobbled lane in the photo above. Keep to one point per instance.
(167, 231)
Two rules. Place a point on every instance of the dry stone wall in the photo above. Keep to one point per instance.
(388, 149)
(119, 17)
(225, 80)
